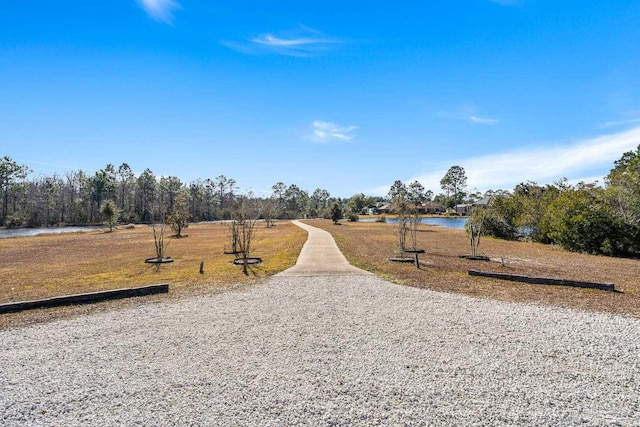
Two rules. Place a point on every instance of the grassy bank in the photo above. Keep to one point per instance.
(61, 264)
(369, 245)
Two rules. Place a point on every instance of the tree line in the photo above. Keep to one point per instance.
(583, 217)
(78, 197)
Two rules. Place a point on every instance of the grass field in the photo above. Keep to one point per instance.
(53, 265)
(369, 245)
(62, 264)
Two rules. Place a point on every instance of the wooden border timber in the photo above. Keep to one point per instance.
(545, 280)
(87, 298)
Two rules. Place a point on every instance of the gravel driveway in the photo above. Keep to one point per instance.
(324, 350)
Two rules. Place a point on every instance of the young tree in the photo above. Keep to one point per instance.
(245, 216)
(158, 241)
(110, 213)
(416, 196)
(336, 213)
(475, 228)
(234, 226)
(398, 193)
(178, 218)
(269, 210)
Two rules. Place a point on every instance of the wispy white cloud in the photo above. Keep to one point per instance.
(160, 10)
(587, 160)
(327, 132)
(483, 120)
(302, 41)
(467, 113)
(616, 123)
(277, 42)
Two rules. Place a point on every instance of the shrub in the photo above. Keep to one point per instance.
(336, 213)
(14, 221)
(496, 225)
(579, 221)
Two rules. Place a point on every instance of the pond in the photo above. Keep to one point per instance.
(448, 222)
(27, 232)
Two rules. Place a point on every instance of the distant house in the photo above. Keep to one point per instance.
(482, 203)
(424, 208)
(466, 208)
(463, 208)
(431, 208)
(370, 210)
(384, 209)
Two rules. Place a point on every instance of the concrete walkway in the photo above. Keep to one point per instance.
(320, 256)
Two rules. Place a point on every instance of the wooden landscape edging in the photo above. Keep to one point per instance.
(87, 298)
(545, 280)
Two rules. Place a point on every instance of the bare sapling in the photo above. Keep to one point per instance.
(269, 211)
(245, 216)
(415, 196)
(403, 228)
(474, 228)
(474, 232)
(158, 240)
(398, 196)
(414, 221)
(234, 226)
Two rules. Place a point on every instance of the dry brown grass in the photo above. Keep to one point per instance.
(369, 245)
(52, 265)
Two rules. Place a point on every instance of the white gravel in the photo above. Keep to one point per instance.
(324, 351)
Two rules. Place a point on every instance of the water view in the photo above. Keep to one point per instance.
(449, 222)
(27, 232)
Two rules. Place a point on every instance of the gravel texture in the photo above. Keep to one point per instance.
(324, 351)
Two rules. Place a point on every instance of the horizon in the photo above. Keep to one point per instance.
(343, 97)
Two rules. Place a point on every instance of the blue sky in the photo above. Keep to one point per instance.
(344, 96)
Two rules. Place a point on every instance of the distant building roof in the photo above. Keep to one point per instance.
(482, 202)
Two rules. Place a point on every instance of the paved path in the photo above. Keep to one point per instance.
(320, 256)
(339, 347)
